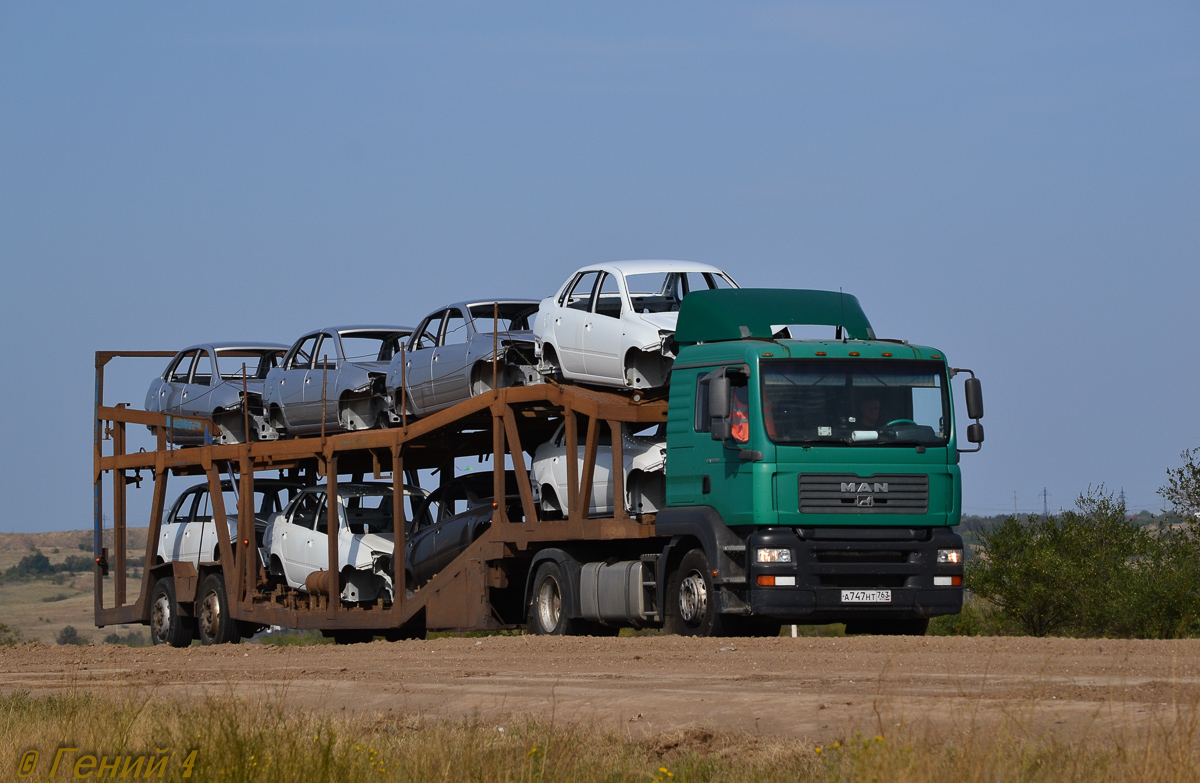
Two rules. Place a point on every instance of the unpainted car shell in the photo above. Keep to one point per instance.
(293, 550)
(442, 368)
(588, 343)
(189, 533)
(316, 368)
(183, 391)
(645, 460)
(450, 519)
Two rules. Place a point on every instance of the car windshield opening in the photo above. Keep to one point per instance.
(513, 316)
(258, 363)
(369, 510)
(662, 292)
(855, 402)
(370, 346)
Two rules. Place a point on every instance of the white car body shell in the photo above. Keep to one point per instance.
(301, 550)
(645, 460)
(629, 350)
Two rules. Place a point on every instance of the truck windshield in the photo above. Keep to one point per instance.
(855, 402)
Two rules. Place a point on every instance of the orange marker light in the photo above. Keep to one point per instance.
(820, 353)
(854, 353)
(766, 581)
(886, 354)
(956, 581)
(935, 356)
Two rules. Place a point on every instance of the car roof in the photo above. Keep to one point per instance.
(650, 265)
(364, 328)
(365, 487)
(230, 345)
(258, 482)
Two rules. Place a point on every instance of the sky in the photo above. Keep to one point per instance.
(1016, 184)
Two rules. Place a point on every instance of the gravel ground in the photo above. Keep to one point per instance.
(818, 688)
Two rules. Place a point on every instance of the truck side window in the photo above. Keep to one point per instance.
(702, 423)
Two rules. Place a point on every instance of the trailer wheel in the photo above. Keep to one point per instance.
(166, 624)
(213, 619)
(691, 607)
(547, 614)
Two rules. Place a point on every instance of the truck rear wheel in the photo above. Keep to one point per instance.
(213, 619)
(167, 626)
(547, 615)
(691, 607)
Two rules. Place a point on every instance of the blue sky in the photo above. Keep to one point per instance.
(1018, 185)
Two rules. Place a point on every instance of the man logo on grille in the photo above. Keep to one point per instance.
(866, 501)
(856, 487)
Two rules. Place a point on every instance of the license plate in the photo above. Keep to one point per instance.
(866, 596)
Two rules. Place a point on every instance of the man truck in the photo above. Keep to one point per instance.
(807, 480)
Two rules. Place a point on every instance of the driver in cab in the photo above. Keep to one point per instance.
(868, 414)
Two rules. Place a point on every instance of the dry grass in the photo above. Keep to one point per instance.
(245, 741)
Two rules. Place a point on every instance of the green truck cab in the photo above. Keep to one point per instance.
(808, 480)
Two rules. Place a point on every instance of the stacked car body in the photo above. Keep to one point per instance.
(608, 325)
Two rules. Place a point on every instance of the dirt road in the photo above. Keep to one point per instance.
(811, 687)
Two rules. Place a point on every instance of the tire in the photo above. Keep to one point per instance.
(547, 615)
(214, 622)
(167, 626)
(912, 627)
(690, 604)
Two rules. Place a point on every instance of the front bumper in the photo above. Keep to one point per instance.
(826, 561)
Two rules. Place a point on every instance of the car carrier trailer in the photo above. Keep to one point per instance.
(766, 518)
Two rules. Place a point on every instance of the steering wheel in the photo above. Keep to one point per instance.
(894, 422)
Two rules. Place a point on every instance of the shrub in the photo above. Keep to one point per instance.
(130, 639)
(69, 635)
(1090, 571)
(9, 636)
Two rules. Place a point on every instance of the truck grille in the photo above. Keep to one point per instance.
(883, 493)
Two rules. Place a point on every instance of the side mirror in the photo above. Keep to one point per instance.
(975, 433)
(719, 397)
(721, 429)
(974, 390)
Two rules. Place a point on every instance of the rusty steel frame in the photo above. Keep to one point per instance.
(457, 598)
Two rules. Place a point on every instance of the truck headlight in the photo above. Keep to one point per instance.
(950, 556)
(774, 556)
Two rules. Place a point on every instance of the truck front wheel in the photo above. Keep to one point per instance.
(691, 608)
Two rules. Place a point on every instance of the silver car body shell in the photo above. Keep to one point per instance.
(445, 373)
(633, 350)
(645, 460)
(353, 389)
(220, 400)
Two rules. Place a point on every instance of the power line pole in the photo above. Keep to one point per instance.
(1045, 505)
(1014, 502)
(1122, 497)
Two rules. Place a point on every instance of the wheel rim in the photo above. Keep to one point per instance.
(693, 598)
(160, 619)
(549, 605)
(210, 615)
